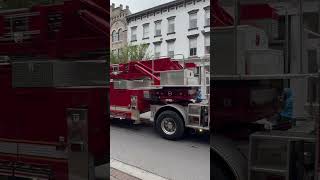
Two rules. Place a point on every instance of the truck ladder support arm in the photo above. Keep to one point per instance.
(95, 7)
(220, 15)
(148, 73)
(145, 67)
(96, 22)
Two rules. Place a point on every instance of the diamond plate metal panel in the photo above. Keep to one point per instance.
(59, 73)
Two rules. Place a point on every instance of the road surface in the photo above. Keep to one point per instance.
(140, 146)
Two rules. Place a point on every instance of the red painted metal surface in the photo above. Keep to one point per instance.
(258, 11)
(122, 98)
(220, 16)
(2, 29)
(239, 111)
(177, 95)
(83, 28)
(37, 116)
(247, 12)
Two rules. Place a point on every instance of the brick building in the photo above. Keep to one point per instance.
(119, 24)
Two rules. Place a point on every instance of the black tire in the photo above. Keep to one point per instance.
(179, 125)
(218, 169)
(218, 173)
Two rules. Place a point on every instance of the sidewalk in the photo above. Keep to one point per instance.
(119, 175)
(123, 171)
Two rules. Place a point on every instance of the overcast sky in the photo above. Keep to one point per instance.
(139, 5)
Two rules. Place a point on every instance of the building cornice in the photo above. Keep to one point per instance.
(156, 8)
(163, 8)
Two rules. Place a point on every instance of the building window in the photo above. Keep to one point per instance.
(171, 49)
(193, 21)
(207, 17)
(145, 30)
(193, 46)
(133, 33)
(114, 36)
(157, 50)
(118, 52)
(207, 44)
(171, 25)
(158, 28)
(120, 35)
(144, 53)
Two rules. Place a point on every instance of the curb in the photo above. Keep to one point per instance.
(134, 171)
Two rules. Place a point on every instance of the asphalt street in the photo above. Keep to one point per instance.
(140, 146)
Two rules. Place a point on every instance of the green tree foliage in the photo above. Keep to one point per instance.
(130, 53)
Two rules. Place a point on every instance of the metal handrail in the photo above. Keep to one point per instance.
(152, 62)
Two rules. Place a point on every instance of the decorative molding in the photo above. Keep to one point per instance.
(191, 29)
(193, 35)
(205, 32)
(170, 40)
(207, 8)
(157, 42)
(171, 17)
(193, 11)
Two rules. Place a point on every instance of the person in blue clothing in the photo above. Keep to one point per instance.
(287, 106)
(199, 96)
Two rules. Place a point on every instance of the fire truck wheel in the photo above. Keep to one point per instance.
(219, 169)
(170, 125)
(218, 173)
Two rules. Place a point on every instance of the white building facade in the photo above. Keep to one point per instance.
(177, 28)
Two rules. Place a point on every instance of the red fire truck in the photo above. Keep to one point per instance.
(163, 91)
(249, 71)
(53, 90)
